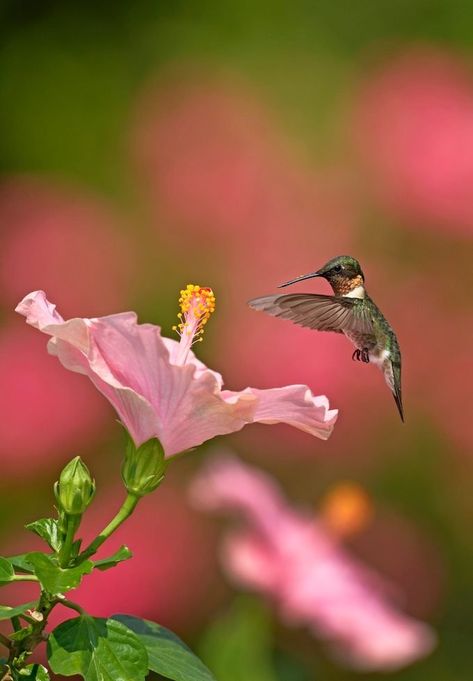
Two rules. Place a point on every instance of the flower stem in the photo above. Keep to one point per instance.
(125, 512)
(24, 578)
(16, 660)
(5, 641)
(73, 522)
(74, 606)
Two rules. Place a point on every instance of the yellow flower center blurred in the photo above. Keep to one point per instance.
(346, 509)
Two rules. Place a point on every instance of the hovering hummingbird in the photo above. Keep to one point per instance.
(350, 311)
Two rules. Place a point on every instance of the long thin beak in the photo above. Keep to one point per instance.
(301, 278)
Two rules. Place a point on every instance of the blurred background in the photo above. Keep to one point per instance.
(145, 145)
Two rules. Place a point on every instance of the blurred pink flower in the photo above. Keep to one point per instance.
(287, 555)
(205, 150)
(28, 442)
(217, 165)
(415, 128)
(67, 243)
(157, 385)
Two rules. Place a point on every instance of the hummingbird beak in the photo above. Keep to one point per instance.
(301, 278)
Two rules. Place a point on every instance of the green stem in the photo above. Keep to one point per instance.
(72, 605)
(45, 604)
(5, 640)
(15, 622)
(24, 578)
(125, 512)
(73, 522)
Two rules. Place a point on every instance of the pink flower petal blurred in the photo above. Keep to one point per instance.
(415, 128)
(40, 426)
(217, 165)
(60, 240)
(205, 148)
(289, 557)
(159, 388)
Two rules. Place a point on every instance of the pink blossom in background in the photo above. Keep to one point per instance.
(436, 389)
(287, 555)
(58, 239)
(157, 385)
(414, 126)
(218, 166)
(205, 150)
(46, 414)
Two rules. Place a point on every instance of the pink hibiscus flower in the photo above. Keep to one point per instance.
(293, 559)
(157, 385)
(414, 127)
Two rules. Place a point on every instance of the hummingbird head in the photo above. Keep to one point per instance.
(343, 273)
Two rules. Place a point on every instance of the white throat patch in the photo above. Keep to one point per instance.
(357, 292)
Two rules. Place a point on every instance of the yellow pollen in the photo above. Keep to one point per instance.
(197, 304)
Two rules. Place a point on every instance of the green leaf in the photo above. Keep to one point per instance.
(34, 672)
(47, 529)
(122, 554)
(55, 579)
(6, 571)
(167, 654)
(20, 562)
(238, 645)
(6, 611)
(21, 634)
(97, 648)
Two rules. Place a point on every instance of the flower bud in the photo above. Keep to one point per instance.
(144, 467)
(75, 488)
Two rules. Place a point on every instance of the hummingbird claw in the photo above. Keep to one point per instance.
(361, 355)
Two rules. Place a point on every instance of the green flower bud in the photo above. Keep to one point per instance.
(75, 488)
(144, 467)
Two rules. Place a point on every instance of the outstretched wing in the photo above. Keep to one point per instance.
(324, 313)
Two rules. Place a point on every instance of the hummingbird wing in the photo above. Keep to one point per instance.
(324, 313)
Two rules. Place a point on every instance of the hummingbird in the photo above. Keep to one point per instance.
(350, 311)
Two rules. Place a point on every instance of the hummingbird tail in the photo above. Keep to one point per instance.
(396, 388)
(397, 398)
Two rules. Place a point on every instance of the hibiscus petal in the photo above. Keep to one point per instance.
(180, 404)
(294, 405)
(130, 365)
(73, 343)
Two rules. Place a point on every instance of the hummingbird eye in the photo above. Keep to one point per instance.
(337, 268)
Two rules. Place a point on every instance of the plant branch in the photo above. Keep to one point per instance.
(125, 512)
(73, 522)
(72, 605)
(5, 640)
(45, 604)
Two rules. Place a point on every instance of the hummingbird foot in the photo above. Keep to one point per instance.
(361, 355)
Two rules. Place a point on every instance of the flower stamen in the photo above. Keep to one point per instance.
(197, 303)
